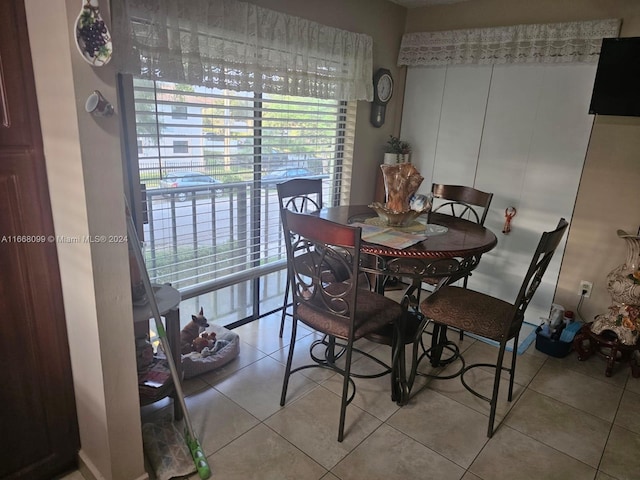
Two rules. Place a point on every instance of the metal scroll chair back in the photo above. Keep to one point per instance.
(492, 318)
(303, 195)
(339, 309)
(300, 194)
(461, 201)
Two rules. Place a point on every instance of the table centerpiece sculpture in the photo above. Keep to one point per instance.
(623, 283)
(401, 181)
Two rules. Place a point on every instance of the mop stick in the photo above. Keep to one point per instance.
(198, 455)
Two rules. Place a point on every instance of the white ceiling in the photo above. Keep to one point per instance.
(424, 3)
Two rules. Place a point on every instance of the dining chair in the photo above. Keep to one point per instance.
(490, 317)
(463, 202)
(299, 195)
(342, 310)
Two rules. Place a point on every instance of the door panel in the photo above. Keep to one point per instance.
(421, 117)
(38, 422)
(509, 126)
(461, 122)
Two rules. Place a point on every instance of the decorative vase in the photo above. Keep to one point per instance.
(401, 181)
(623, 284)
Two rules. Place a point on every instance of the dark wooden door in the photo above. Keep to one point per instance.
(38, 423)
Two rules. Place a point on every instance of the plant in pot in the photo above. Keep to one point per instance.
(397, 151)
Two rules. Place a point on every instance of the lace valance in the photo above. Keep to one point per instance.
(229, 44)
(545, 43)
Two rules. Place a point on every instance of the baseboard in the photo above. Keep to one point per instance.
(90, 472)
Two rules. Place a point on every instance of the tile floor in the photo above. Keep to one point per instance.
(567, 421)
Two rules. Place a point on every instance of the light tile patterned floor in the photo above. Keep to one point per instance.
(567, 421)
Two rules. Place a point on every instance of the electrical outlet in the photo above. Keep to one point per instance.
(585, 289)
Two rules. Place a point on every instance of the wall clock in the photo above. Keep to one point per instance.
(382, 91)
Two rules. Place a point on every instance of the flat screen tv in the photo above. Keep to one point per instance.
(616, 90)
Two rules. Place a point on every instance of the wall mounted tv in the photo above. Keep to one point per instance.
(616, 90)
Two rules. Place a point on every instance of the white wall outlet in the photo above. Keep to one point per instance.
(585, 289)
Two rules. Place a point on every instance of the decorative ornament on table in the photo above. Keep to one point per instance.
(623, 283)
(92, 36)
(397, 151)
(401, 181)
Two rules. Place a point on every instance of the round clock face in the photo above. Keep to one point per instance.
(384, 88)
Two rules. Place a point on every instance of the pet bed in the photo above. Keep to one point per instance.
(226, 348)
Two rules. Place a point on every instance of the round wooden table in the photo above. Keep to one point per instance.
(442, 258)
(463, 239)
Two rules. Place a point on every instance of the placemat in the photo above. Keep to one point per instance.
(414, 226)
(430, 229)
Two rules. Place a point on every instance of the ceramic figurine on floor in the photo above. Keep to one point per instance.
(623, 283)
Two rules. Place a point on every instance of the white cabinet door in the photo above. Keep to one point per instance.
(520, 132)
(421, 118)
(461, 122)
(534, 144)
(502, 168)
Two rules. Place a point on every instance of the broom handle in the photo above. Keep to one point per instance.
(197, 453)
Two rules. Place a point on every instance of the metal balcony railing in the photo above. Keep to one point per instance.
(201, 239)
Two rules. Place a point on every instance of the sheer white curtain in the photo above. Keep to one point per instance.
(545, 43)
(236, 45)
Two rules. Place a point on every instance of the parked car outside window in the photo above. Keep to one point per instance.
(188, 179)
(287, 173)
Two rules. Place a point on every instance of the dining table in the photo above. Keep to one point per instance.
(447, 249)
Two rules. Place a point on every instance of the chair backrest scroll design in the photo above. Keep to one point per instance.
(300, 194)
(539, 263)
(315, 249)
(461, 201)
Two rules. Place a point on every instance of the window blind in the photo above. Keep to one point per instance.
(212, 203)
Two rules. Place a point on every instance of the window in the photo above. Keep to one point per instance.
(180, 146)
(207, 235)
(179, 112)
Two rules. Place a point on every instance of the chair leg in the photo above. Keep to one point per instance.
(284, 306)
(496, 387)
(512, 373)
(287, 370)
(345, 390)
(464, 285)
